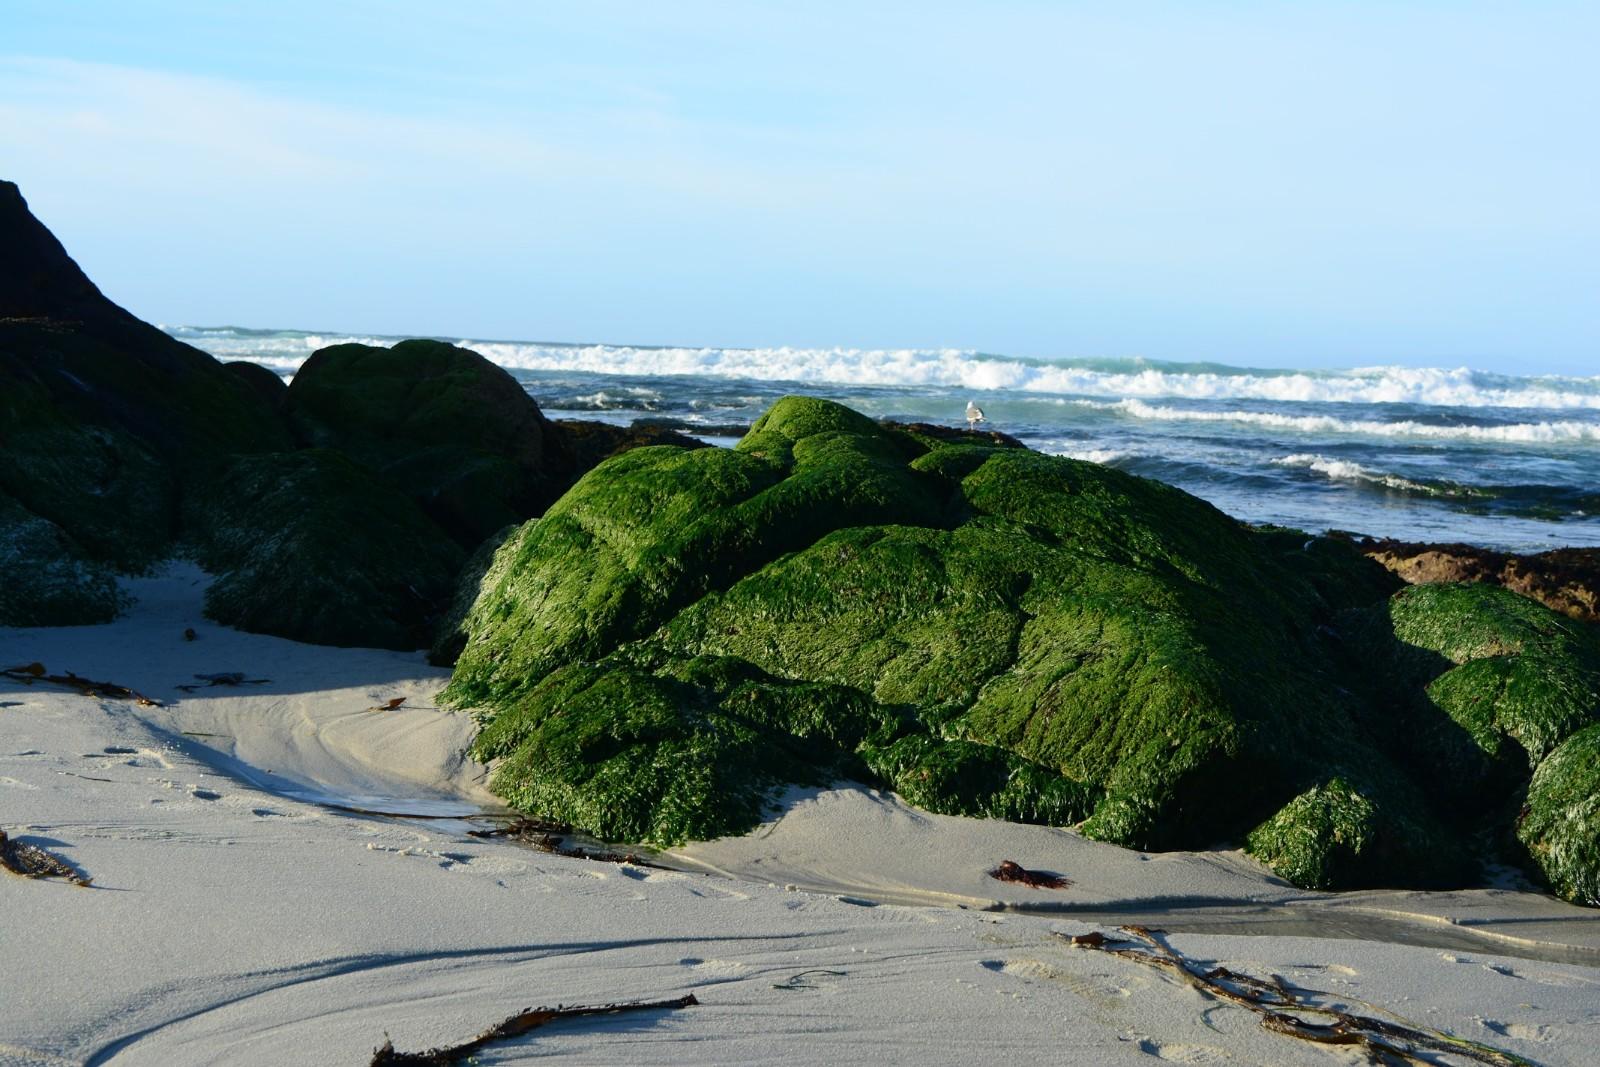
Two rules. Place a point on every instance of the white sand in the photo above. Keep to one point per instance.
(235, 919)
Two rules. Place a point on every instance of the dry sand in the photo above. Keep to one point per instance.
(243, 913)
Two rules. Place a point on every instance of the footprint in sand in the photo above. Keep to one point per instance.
(1103, 994)
(1520, 1031)
(1179, 1053)
(205, 794)
(713, 968)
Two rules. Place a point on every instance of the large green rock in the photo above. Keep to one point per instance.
(1560, 826)
(987, 630)
(312, 546)
(46, 579)
(1472, 685)
(440, 422)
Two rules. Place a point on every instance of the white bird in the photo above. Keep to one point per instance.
(974, 415)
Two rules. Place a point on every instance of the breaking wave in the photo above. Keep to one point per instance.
(1548, 432)
(961, 368)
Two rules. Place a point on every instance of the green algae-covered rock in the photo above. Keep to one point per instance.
(312, 546)
(992, 632)
(1337, 835)
(46, 579)
(1525, 676)
(1045, 638)
(1560, 827)
(1474, 685)
(440, 422)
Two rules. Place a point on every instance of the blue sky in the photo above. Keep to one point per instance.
(1264, 184)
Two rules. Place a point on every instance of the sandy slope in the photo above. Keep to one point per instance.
(237, 918)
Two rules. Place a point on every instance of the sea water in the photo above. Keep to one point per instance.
(1434, 454)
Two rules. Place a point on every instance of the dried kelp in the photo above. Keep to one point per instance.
(524, 830)
(517, 1025)
(551, 837)
(31, 861)
(36, 672)
(1297, 1012)
(803, 980)
(224, 678)
(1016, 872)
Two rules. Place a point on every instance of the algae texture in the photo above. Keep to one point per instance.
(312, 546)
(1560, 825)
(987, 630)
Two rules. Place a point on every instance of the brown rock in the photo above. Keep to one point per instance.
(1564, 579)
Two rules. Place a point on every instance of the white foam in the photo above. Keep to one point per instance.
(1090, 455)
(1552, 432)
(1342, 470)
(965, 369)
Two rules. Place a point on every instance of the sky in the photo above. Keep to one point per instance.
(1265, 184)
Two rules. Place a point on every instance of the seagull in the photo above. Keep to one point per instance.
(974, 415)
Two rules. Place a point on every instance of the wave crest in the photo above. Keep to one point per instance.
(1120, 379)
(1550, 432)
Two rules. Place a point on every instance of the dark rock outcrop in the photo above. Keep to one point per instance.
(312, 546)
(588, 442)
(442, 423)
(104, 419)
(120, 445)
(46, 579)
(263, 381)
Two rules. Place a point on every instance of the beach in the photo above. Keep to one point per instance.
(249, 905)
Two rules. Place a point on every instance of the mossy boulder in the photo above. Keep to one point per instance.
(1560, 826)
(311, 545)
(451, 429)
(1473, 685)
(1337, 834)
(46, 579)
(988, 630)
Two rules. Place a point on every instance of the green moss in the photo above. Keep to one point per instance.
(1338, 836)
(1518, 679)
(631, 755)
(989, 631)
(311, 546)
(1560, 827)
(954, 777)
(46, 579)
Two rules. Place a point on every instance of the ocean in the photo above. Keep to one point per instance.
(1425, 454)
